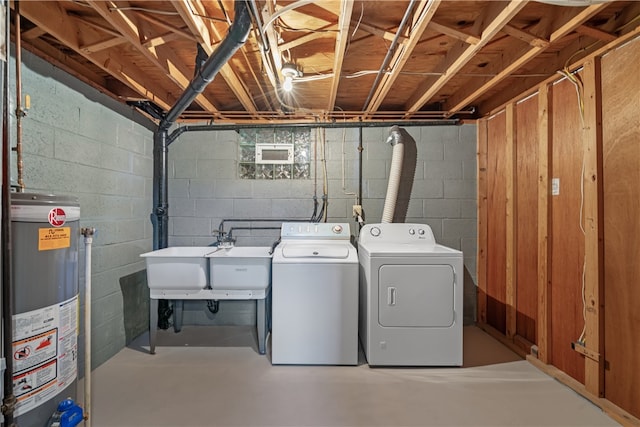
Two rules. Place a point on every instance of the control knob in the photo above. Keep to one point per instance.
(375, 231)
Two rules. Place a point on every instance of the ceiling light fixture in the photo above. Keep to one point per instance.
(289, 72)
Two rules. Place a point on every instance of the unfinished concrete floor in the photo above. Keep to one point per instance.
(214, 376)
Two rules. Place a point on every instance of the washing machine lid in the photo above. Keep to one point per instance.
(303, 250)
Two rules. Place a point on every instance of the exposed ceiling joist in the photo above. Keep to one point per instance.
(516, 58)
(178, 31)
(206, 35)
(324, 32)
(525, 36)
(341, 44)
(595, 33)
(453, 32)
(55, 21)
(423, 13)
(164, 59)
(385, 34)
(626, 24)
(497, 16)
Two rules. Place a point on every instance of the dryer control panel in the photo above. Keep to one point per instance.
(315, 231)
(397, 233)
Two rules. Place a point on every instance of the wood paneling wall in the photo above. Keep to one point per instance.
(576, 253)
(496, 223)
(567, 239)
(527, 218)
(621, 152)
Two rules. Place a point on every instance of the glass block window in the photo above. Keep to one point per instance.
(301, 140)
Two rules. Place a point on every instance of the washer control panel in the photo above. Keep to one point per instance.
(315, 231)
(397, 233)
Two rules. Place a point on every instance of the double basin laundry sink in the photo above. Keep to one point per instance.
(209, 273)
(190, 269)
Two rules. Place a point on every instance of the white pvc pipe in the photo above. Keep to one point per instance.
(88, 240)
(395, 139)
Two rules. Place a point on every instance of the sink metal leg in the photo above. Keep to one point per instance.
(153, 324)
(261, 322)
(178, 306)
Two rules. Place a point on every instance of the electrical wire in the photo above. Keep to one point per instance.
(579, 86)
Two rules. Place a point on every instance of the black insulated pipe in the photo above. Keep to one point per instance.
(237, 36)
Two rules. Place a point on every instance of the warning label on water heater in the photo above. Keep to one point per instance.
(45, 351)
(54, 238)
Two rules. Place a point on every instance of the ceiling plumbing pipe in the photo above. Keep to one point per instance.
(396, 140)
(387, 58)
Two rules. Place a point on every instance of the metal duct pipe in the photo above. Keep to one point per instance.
(237, 36)
(396, 140)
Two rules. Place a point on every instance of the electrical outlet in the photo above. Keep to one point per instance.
(357, 211)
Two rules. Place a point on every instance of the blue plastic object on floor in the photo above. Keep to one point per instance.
(68, 414)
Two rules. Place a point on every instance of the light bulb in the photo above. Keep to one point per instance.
(288, 84)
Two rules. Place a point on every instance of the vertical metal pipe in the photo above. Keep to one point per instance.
(88, 233)
(160, 215)
(19, 112)
(360, 150)
(9, 402)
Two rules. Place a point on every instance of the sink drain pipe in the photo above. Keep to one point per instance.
(396, 140)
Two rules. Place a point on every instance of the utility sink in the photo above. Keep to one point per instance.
(178, 268)
(240, 268)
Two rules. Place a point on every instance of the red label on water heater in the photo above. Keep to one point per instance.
(57, 217)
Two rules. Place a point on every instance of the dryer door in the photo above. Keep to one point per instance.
(416, 295)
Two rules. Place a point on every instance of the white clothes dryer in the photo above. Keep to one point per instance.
(411, 292)
(314, 296)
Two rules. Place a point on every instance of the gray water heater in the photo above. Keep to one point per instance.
(45, 235)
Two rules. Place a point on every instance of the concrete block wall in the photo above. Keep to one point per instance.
(79, 142)
(204, 188)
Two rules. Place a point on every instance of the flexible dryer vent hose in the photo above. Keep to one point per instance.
(395, 139)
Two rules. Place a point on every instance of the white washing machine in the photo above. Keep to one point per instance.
(314, 289)
(411, 293)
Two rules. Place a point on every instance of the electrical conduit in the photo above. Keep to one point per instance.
(395, 139)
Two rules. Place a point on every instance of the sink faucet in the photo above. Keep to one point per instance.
(224, 239)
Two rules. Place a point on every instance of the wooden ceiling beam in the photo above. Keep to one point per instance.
(454, 33)
(423, 14)
(595, 33)
(161, 40)
(525, 36)
(102, 45)
(341, 44)
(53, 19)
(207, 35)
(515, 58)
(385, 34)
(178, 31)
(497, 16)
(324, 32)
(33, 33)
(164, 59)
(625, 24)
